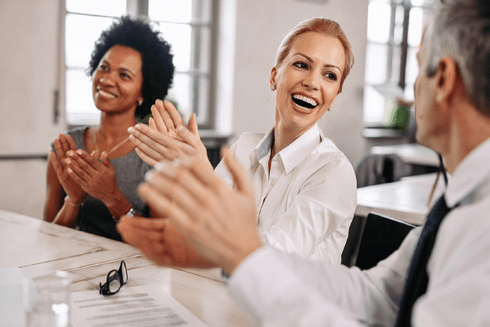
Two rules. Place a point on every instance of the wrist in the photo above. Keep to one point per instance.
(72, 203)
(129, 213)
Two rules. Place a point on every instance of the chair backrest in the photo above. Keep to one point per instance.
(381, 236)
(376, 169)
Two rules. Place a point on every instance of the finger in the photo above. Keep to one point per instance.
(74, 172)
(174, 114)
(71, 142)
(192, 125)
(136, 231)
(56, 165)
(156, 111)
(163, 115)
(86, 161)
(237, 172)
(190, 138)
(59, 151)
(151, 123)
(64, 143)
(143, 156)
(105, 160)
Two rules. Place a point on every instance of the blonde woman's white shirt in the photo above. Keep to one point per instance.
(307, 202)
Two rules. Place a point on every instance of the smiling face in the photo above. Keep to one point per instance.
(117, 81)
(307, 81)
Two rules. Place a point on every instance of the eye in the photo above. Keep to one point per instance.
(125, 76)
(103, 67)
(331, 76)
(301, 65)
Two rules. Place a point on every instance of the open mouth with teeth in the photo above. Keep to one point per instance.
(304, 102)
(105, 93)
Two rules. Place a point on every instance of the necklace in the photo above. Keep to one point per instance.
(114, 148)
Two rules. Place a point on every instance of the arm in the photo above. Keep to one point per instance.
(220, 223)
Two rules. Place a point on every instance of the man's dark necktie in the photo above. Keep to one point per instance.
(417, 279)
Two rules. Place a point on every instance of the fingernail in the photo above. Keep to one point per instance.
(131, 129)
(70, 170)
(70, 153)
(138, 126)
(68, 161)
(79, 152)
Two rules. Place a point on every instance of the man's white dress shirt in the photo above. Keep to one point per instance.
(306, 203)
(281, 289)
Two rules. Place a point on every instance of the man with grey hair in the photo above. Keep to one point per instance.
(440, 275)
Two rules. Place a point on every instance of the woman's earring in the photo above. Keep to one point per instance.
(273, 87)
(140, 102)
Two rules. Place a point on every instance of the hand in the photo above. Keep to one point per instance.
(64, 144)
(218, 221)
(160, 242)
(166, 137)
(97, 178)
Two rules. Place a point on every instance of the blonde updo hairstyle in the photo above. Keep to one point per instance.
(323, 26)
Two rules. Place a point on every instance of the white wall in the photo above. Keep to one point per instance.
(260, 27)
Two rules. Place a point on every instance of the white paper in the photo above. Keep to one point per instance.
(141, 306)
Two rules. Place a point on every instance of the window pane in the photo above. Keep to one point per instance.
(80, 36)
(78, 90)
(170, 10)
(180, 92)
(415, 26)
(97, 7)
(191, 94)
(378, 29)
(376, 63)
(412, 66)
(374, 105)
(179, 36)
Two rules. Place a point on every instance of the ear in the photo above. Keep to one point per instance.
(272, 80)
(447, 76)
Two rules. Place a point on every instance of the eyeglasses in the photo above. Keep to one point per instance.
(115, 280)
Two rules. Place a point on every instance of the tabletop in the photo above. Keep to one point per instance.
(39, 247)
(406, 200)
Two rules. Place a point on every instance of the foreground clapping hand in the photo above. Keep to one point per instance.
(219, 222)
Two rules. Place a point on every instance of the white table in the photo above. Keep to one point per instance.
(38, 247)
(405, 200)
(410, 153)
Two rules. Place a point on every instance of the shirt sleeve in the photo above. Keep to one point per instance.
(325, 202)
(281, 289)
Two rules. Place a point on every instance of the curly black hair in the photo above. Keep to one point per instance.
(158, 69)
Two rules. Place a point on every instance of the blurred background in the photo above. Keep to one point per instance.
(224, 50)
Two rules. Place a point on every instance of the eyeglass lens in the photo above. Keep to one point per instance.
(115, 279)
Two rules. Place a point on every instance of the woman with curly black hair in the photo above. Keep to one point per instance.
(93, 171)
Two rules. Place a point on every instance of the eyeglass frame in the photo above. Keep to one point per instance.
(117, 274)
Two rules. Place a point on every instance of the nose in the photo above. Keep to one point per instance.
(107, 79)
(311, 80)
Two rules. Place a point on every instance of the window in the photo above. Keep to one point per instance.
(394, 32)
(185, 24)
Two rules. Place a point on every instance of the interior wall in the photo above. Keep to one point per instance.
(260, 28)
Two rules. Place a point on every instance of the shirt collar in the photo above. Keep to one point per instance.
(295, 152)
(473, 171)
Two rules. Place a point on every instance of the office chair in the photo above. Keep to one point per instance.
(380, 237)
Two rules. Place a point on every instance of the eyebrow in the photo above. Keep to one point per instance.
(327, 65)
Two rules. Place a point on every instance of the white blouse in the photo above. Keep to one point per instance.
(306, 204)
